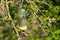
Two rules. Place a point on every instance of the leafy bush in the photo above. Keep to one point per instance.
(42, 20)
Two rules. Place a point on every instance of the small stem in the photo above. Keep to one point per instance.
(11, 19)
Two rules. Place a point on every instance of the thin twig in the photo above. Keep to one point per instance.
(11, 19)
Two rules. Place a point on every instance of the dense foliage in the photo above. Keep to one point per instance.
(41, 17)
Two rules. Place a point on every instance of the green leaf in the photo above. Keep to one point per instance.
(34, 7)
